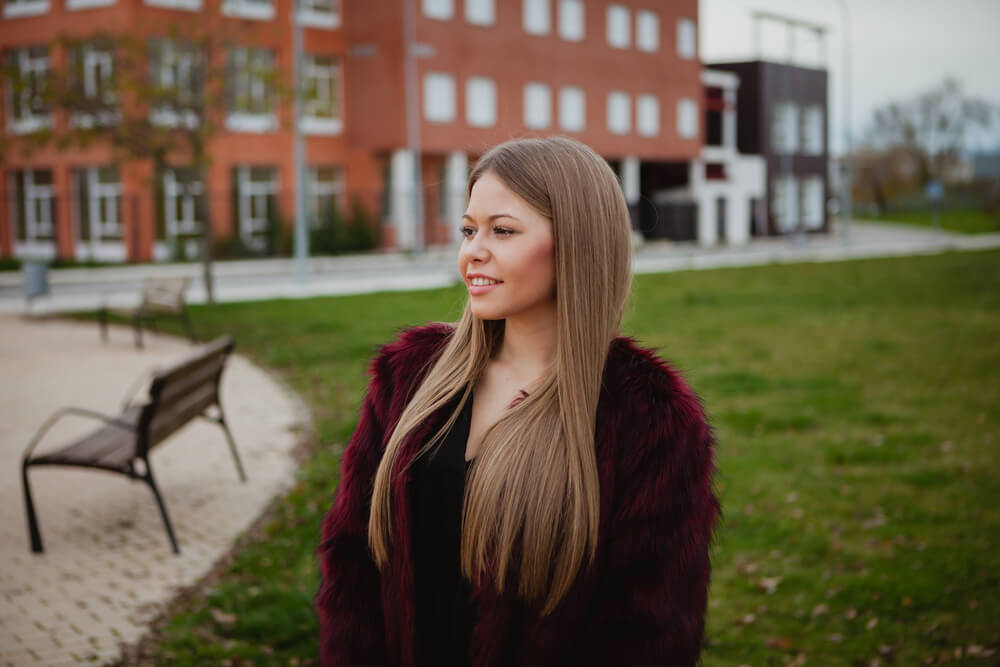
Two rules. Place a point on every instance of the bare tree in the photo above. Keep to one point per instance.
(164, 99)
(932, 128)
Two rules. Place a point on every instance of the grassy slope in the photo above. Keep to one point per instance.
(856, 409)
(967, 221)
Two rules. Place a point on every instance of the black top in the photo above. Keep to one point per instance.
(444, 616)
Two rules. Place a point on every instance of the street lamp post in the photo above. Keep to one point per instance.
(846, 212)
(301, 232)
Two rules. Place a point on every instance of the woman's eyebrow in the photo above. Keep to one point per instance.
(493, 217)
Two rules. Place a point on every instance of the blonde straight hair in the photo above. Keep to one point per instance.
(532, 500)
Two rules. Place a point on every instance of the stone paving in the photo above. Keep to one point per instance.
(108, 569)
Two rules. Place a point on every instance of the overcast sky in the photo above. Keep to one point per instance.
(898, 47)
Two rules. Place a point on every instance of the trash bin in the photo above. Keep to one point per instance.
(36, 277)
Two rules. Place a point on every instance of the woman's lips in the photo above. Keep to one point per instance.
(476, 290)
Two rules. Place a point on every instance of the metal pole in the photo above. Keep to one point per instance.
(301, 231)
(847, 213)
(413, 118)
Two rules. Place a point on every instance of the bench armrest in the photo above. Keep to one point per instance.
(80, 412)
(142, 380)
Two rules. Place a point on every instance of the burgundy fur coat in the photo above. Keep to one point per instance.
(643, 600)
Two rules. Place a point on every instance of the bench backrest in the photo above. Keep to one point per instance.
(165, 294)
(182, 392)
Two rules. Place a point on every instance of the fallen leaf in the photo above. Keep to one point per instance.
(947, 446)
(798, 513)
(884, 649)
(768, 584)
(778, 642)
(871, 624)
(907, 600)
(836, 637)
(791, 497)
(974, 649)
(222, 617)
(747, 619)
(819, 610)
(850, 613)
(800, 660)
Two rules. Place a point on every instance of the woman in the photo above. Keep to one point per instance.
(524, 487)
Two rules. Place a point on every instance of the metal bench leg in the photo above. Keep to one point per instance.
(188, 326)
(102, 318)
(163, 508)
(232, 445)
(29, 506)
(137, 326)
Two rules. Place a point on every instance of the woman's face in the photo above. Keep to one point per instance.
(506, 240)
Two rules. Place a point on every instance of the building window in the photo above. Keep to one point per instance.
(261, 10)
(92, 74)
(99, 195)
(480, 101)
(687, 118)
(13, 9)
(322, 109)
(326, 193)
(256, 193)
(176, 70)
(647, 115)
(619, 35)
(190, 5)
(442, 10)
(812, 130)
(27, 89)
(33, 205)
(439, 97)
(647, 30)
(785, 203)
(619, 112)
(87, 4)
(572, 109)
(480, 12)
(811, 203)
(182, 192)
(537, 106)
(537, 17)
(785, 128)
(571, 20)
(687, 39)
(318, 13)
(251, 97)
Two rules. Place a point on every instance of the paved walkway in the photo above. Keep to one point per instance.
(108, 570)
(251, 280)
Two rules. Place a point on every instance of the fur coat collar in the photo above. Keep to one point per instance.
(642, 603)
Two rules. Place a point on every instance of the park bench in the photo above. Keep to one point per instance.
(160, 296)
(176, 396)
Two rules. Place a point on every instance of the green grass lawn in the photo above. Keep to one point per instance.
(965, 220)
(857, 409)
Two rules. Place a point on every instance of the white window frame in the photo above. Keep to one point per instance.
(480, 101)
(174, 189)
(619, 112)
(619, 26)
(320, 190)
(480, 12)
(178, 66)
(687, 38)
(249, 67)
(537, 16)
(22, 8)
(439, 10)
(256, 10)
(572, 109)
(253, 229)
(324, 115)
(439, 98)
(811, 201)
(537, 105)
(572, 20)
(785, 203)
(98, 82)
(647, 31)
(812, 130)
(319, 13)
(687, 118)
(785, 128)
(37, 201)
(74, 5)
(647, 115)
(109, 194)
(34, 68)
(186, 5)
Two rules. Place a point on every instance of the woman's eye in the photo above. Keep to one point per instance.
(500, 231)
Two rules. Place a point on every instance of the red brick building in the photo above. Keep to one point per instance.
(621, 76)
